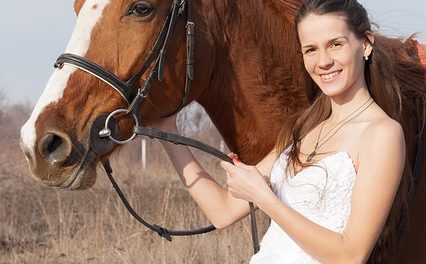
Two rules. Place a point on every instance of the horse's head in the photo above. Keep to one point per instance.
(118, 36)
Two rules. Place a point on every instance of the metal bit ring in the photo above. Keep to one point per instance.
(106, 132)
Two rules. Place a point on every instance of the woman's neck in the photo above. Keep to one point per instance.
(345, 104)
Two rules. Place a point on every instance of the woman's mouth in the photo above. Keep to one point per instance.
(328, 77)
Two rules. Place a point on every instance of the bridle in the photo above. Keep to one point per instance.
(105, 127)
(157, 56)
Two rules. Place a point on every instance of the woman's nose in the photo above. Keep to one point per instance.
(325, 60)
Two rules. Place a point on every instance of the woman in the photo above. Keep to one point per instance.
(330, 183)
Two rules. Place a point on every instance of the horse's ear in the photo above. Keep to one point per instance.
(78, 4)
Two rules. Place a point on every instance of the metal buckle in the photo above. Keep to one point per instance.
(190, 28)
(181, 7)
(106, 132)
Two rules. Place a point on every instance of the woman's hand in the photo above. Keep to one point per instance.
(245, 181)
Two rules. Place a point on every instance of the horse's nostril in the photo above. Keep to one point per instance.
(53, 143)
(54, 147)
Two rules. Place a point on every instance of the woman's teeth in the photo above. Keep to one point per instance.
(330, 76)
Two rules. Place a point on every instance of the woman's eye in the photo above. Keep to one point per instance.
(140, 9)
(336, 45)
(309, 51)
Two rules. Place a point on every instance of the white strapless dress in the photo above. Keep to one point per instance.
(321, 192)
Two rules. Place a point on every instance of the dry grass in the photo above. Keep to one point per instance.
(44, 225)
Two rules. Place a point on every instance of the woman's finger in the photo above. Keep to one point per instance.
(234, 157)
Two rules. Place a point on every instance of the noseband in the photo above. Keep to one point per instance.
(105, 127)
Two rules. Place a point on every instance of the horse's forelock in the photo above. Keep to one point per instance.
(89, 15)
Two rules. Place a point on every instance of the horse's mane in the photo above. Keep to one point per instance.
(265, 17)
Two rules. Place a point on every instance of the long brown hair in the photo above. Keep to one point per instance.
(395, 80)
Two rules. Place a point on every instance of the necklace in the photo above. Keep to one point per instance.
(344, 121)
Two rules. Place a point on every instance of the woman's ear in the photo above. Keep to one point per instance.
(368, 43)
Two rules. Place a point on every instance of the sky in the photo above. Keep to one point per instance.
(33, 34)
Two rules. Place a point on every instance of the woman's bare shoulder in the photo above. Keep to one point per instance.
(382, 133)
(383, 126)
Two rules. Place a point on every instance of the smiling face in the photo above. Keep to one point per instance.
(332, 54)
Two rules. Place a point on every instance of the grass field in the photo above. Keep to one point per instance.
(45, 225)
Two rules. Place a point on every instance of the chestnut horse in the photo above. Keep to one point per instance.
(249, 78)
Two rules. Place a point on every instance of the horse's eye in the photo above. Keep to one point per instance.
(141, 9)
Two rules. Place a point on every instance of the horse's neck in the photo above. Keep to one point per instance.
(257, 75)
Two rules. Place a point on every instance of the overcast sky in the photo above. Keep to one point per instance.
(34, 33)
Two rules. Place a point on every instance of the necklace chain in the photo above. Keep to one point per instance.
(340, 124)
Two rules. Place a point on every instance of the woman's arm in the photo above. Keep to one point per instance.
(381, 162)
(217, 203)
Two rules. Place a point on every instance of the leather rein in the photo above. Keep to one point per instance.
(104, 130)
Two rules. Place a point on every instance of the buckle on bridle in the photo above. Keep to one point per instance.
(181, 8)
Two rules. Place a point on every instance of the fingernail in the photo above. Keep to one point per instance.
(235, 160)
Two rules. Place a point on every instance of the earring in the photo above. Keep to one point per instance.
(366, 58)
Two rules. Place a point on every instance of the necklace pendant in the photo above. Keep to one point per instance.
(311, 156)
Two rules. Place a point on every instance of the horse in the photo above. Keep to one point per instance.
(248, 77)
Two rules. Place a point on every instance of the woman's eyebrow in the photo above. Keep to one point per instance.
(335, 39)
(328, 42)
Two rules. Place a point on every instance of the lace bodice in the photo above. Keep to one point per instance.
(321, 192)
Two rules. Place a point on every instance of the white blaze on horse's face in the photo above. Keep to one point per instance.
(88, 17)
